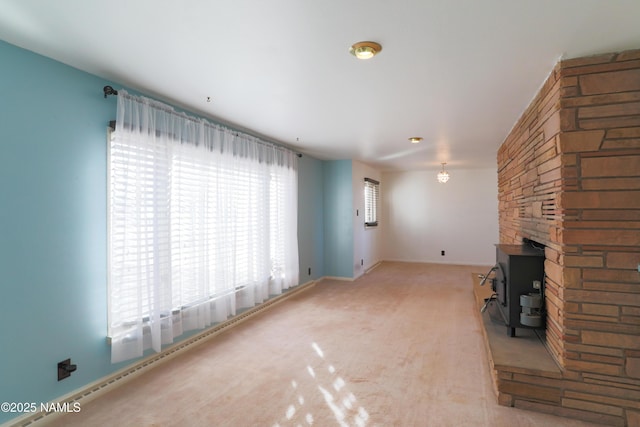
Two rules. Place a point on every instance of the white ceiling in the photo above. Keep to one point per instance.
(459, 73)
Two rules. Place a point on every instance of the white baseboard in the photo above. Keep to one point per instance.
(351, 279)
(373, 267)
(343, 279)
(418, 261)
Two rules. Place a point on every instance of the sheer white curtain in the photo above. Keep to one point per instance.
(202, 221)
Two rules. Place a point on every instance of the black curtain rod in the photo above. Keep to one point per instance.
(108, 90)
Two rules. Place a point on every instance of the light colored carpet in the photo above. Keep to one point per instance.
(401, 346)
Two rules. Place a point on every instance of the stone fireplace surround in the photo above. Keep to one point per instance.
(569, 177)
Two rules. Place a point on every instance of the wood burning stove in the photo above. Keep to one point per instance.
(518, 285)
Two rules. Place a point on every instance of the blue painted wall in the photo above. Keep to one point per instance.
(53, 123)
(310, 218)
(53, 301)
(338, 220)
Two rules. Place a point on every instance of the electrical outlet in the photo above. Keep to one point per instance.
(309, 271)
(442, 253)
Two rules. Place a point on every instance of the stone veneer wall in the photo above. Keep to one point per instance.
(569, 177)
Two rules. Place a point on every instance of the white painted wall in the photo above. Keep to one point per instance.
(367, 242)
(423, 217)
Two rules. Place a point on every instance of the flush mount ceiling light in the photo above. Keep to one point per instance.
(365, 50)
(415, 139)
(443, 176)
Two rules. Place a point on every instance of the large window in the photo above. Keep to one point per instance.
(371, 202)
(202, 221)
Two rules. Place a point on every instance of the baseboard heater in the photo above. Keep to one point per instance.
(102, 386)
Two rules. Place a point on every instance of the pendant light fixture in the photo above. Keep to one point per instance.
(443, 176)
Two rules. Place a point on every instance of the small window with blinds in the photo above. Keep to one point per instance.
(371, 202)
